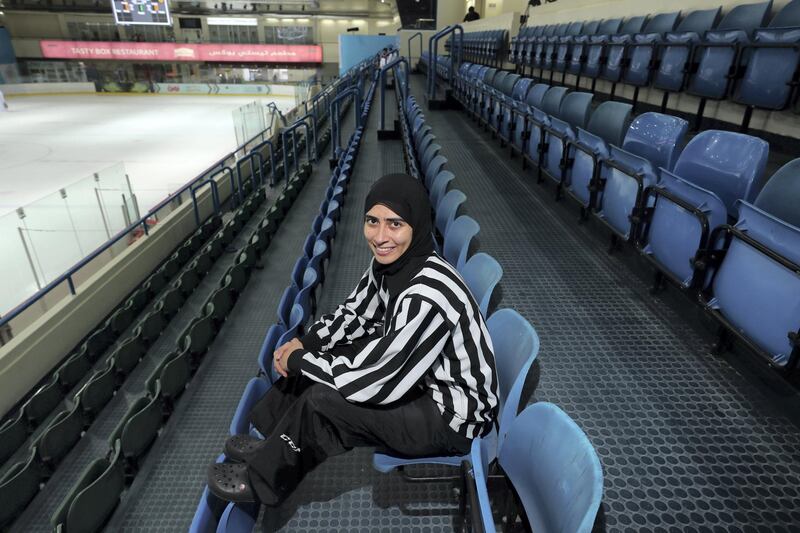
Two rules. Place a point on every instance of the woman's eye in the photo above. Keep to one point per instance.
(397, 224)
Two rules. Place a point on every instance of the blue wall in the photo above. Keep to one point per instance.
(354, 48)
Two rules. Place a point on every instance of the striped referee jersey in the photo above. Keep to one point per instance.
(431, 335)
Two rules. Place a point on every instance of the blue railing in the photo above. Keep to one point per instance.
(433, 45)
(399, 83)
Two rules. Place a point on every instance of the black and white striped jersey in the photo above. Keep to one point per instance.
(432, 335)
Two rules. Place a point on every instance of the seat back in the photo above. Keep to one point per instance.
(536, 95)
(633, 25)
(610, 121)
(515, 344)
(590, 28)
(788, 16)
(457, 240)
(481, 274)
(439, 187)
(609, 27)
(746, 17)
(700, 21)
(433, 168)
(657, 138)
(780, 196)
(621, 191)
(662, 23)
(448, 207)
(756, 294)
(507, 87)
(731, 165)
(575, 109)
(554, 468)
(551, 103)
(574, 28)
(521, 89)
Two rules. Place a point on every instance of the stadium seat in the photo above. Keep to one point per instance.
(138, 428)
(285, 304)
(716, 169)
(448, 209)
(255, 389)
(433, 168)
(43, 401)
(482, 273)
(607, 126)
(18, 485)
(553, 467)
(714, 72)
(60, 435)
(769, 79)
(521, 110)
(457, 240)
(91, 501)
(13, 433)
(73, 370)
(755, 289)
(653, 141)
(170, 377)
(98, 390)
(617, 46)
(268, 347)
(642, 49)
(593, 63)
(439, 187)
(572, 114)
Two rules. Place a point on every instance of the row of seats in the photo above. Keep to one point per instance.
(296, 308)
(91, 501)
(572, 461)
(738, 56)
(487, 47)
(681, 204)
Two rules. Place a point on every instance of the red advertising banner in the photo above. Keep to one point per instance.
(212, 53)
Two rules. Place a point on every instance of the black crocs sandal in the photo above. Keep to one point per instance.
(230, 482)
(237, 447)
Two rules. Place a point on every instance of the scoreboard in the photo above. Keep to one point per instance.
(141, 12)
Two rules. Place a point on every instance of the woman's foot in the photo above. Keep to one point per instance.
(230, 482)
(237, 447)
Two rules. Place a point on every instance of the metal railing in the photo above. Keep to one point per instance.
(433, 46)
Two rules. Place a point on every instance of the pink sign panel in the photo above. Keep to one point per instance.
(212, 53)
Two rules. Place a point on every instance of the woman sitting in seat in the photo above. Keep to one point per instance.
(405, 364)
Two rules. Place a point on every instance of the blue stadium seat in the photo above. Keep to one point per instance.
(448, 207)
(716, 169)
(434, 167)
(761, 308)
(297, 271)
(516, 345)
(616, 47)
(653, 141)
(520, 111)
(716, 55)
(518, 94)
(573, 113)
(285, 304)
(457, 240)
(539, 118)
(439, 187)
(638, 66)
(552, 466)
(676, 50)
(607, 126)
(268, 347)
(255, 389)
(770, 79)
(564, 47)
(482, 273)
(595, 48)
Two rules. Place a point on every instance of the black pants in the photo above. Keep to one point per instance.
(305, 422)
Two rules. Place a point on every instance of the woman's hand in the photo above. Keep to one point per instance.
(281, 355)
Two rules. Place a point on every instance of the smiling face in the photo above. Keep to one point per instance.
(387, 234)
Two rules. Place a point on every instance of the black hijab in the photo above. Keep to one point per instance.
(407, 197)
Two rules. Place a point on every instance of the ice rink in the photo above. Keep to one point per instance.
(47, 142)
(50, 142)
